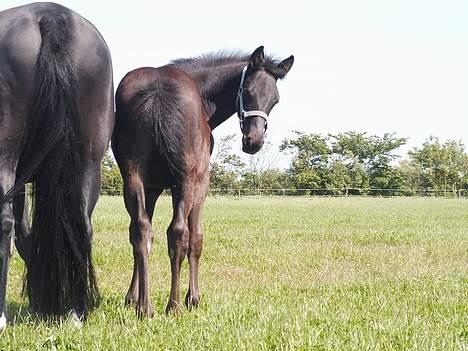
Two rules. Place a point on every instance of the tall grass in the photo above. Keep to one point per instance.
(281, 274)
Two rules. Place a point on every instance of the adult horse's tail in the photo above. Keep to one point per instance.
(60, 275)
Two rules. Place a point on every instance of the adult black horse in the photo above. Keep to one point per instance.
(56, 119)
(162, 139)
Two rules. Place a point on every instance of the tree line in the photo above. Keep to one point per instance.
(349, 163)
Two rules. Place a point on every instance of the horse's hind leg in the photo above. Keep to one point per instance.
(178, 239)
(7, 232)
(91, 186)
(192, 299)
(151, 196)
(141, 236)
(22, 238)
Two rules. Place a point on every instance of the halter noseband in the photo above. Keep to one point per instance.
(242, 113)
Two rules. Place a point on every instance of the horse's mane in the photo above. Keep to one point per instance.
(225, 58)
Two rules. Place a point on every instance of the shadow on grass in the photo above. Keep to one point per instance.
(19, 313)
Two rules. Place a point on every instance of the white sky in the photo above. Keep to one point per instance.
(376, 66)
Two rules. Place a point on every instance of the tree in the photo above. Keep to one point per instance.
(261, 170)
(309, 165)
(111, 180)
(225, 167)
(443, 166)
(411, 175)
(346, 160)
(372, 154)
(338, 177)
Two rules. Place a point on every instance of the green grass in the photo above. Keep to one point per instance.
(281, 274)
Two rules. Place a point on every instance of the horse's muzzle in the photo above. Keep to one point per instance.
(251, 144)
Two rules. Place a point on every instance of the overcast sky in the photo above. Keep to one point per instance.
(376, 66)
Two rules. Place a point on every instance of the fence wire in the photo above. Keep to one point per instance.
(341, 192)
(335, 192)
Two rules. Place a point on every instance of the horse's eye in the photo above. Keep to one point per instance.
(248, 94)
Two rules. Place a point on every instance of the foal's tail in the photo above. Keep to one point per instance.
(159, 109)
(60, 275)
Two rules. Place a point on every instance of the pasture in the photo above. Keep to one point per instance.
(280, 274)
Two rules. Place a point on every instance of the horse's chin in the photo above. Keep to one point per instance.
(251, 149)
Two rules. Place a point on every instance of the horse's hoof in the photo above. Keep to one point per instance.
(191, 301)
(173, 307)
(74, 320)
(130, 300)
(3, 322)
(144, 311)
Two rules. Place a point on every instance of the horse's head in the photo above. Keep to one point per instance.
(257, 96)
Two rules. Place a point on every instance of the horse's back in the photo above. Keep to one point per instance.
(145, 92)
(163, 81)
(21, 35)
(160, 119)
(20, 40)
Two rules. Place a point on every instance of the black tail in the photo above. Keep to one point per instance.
(60, 275)
(159, 109)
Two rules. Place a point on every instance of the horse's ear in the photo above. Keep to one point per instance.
(257, 58)
(285, 66)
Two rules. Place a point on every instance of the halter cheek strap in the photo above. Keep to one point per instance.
(242, 113)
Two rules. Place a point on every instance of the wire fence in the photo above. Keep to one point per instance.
(324, 192)
(341, 192)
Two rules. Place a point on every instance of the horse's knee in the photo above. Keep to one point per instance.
(6, 234)
(141, 235)
(178, 236)
(8, 223)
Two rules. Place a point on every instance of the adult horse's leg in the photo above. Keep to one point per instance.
(95, 103)
(141, 236)
(192, 299)
(22, 238)
(91, 186)
(178, 239)
(151, 196)
(7, 232)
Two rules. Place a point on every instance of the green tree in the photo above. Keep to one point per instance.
(226, 167)
(309, 167)
(368, 157)
(338, 177)
(266, 180)
(111, 180)
(261, 170)
(442, 166)
(411, 175)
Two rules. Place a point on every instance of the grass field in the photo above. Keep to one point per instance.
(281, 274)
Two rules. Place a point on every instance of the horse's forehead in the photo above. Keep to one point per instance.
(263, 80)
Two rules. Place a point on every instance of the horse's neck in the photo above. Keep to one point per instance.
(220, 86)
